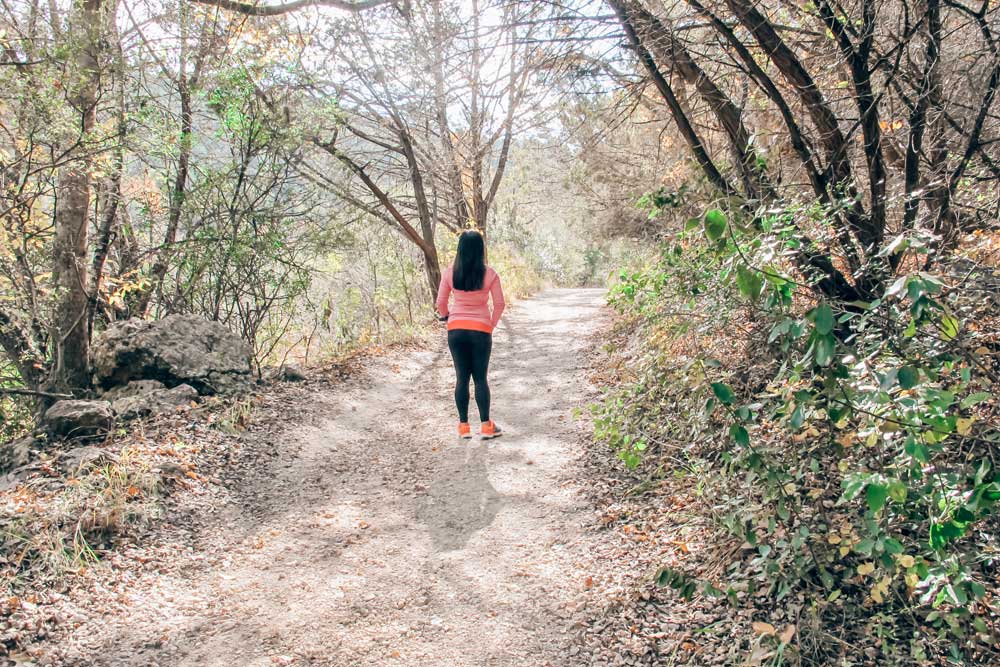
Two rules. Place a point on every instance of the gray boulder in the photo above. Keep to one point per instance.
(78, 419)
(16, 453)
(152, 402)
(133, 388)
(179, 349)
(290, 373)
(79, 459)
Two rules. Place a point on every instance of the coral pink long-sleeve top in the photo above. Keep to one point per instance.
(471, 310)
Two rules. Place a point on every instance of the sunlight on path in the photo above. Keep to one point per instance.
(386, 541)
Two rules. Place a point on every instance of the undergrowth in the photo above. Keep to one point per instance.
(851, 448)
(50, 527)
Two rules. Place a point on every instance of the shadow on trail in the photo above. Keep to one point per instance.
(309, 480)
(460, 499)
(349, 545)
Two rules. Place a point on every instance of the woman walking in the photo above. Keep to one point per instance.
(471, 284)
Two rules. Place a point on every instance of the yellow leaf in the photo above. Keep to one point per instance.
(964, 424)
(880, 589)
(866, 568)
(833, 538)
(906, 560)
(762, 628)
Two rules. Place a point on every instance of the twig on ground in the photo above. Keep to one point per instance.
(32, 392)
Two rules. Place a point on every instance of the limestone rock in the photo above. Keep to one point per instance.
(78, 419)
(153, 402)
(133, 388)
(179, 349)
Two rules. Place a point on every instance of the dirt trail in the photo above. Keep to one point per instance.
(379, 539)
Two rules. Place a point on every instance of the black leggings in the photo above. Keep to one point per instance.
(470, 350)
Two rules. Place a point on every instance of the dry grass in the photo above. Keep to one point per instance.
(52, 526)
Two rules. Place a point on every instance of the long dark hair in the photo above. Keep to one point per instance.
(469, 269)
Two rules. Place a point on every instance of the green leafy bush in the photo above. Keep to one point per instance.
(851, 447)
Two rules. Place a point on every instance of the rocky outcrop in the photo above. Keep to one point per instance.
(141, 368)
(177, 350)
(145, 398)
(133, 388)
(78, 419)
(93, 420)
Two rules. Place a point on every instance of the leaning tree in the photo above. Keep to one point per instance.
(876, 121)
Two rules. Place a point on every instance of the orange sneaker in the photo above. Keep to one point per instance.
(490, 430)
(464, 430)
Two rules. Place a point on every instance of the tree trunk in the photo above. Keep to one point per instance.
(423, 239)
(109, 218)
(177, 195)
(684, 125)
(433, 269)
(71, 336)
(429, 248)
(453, 173)
(665, 45)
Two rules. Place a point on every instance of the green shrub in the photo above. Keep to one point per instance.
(851, 446)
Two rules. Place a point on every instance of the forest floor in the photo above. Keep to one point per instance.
(353, 528)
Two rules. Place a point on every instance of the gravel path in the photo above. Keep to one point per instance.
(375, 537)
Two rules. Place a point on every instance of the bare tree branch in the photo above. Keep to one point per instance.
(694, 142)
(257, 9)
